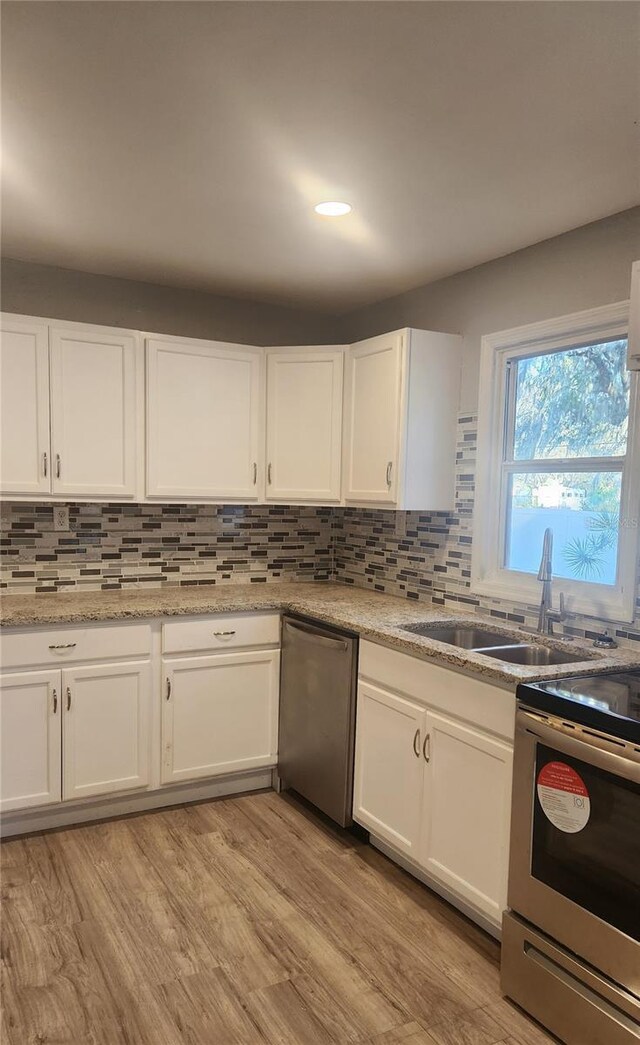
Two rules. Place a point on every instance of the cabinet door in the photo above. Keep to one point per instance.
(25, 466)
(304, 425)
(219, 714)
(31, 739)
(93, 412)
(203, 420)
(388, 779)
(467, 801)
(106, 728)
(373, 419)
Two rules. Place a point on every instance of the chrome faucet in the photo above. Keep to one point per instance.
(547, 615)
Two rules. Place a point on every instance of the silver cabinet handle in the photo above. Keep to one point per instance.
(58, 466)
(389, 469)
(269, 473)
(416, 743)
(255, 472)
(218, 634)
(168, 689)
(68, 698)
(55, 701)
(426, 747)
(45, 463)
(63, 645)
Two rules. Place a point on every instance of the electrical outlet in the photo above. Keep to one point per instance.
(60, 518)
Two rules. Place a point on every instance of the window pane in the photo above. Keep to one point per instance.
(582, 509)
(573, 403)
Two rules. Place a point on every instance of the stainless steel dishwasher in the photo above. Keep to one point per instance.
(317, 714)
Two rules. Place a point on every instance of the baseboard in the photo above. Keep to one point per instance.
(447, 894)
(67, 813)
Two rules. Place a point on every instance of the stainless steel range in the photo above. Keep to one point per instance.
(571, 939)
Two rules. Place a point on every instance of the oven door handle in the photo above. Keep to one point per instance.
(586, 746)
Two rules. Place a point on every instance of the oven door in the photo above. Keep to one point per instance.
(574, 868)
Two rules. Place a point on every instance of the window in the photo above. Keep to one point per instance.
(558, 448)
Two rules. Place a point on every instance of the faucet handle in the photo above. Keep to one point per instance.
(556, 616)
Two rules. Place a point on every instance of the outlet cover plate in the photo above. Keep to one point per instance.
(60, 518)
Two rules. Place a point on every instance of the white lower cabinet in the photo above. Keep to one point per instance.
(467, 792)
(134, 707)
(219, 714)
(388, 793)
(31, 739)
(106, 728)
(74, 733)
(432, 786)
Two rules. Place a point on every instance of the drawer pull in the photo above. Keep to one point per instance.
(219, 634)
(63, 645)
(68, 699)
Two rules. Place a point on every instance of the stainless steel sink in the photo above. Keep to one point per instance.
(465, 637)
(533, 656)
(496, 644)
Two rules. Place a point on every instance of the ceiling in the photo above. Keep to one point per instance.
(186, 143)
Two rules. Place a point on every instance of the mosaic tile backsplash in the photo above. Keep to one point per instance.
(419, 555)
(140, 545)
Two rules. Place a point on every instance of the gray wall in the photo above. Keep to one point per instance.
(43, 290)
(581, 269)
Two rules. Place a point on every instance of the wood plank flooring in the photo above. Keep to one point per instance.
(241, 920)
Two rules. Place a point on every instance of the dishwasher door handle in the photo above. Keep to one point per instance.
(313, 636)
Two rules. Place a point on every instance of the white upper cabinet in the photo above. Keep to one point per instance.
(70, 418)
(373, 406)
(304, 424)
(401, 399)
(93, 412)
(25, 456)
(226, 422)
(204, 420)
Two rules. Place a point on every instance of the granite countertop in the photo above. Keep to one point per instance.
(372, 615)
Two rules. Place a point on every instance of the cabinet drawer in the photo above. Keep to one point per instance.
(52, 646)
(221, 632)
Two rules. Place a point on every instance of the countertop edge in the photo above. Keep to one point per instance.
(311, 602)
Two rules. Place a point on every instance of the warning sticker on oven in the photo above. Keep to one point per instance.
(563, 797)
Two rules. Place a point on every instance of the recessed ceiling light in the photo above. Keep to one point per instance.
(333, 209)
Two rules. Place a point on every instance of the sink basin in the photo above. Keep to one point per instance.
(496, 644)
(534, 656)
(465, 637)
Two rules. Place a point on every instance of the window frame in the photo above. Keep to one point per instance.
(488, 576)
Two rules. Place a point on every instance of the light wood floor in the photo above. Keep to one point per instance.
(243, 920)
